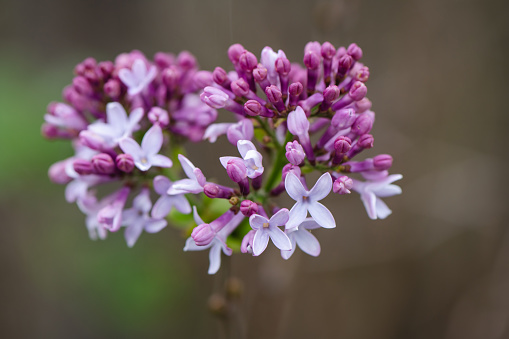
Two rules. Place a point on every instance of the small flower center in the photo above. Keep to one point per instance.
(254, 167)
(304, 198)
(144, 161)
(265, 225)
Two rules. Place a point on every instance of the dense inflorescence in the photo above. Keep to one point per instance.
(128, 120)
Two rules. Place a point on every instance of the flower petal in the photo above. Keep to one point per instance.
(187, 166)
(215, 258)
(309, 224)
(369, 200)
(382, 210)
(287, 254)
(215, 130)
(307, 242)
(134, 118)
(185, 186)
(224, 160)
(191, 245)
(197, 219)
(116, 115)
(298, 213)
(244, 146)
(322, 188)
(127, 77)
(294, 187)
(321, 215)
(131, 147)
(181, 204)
(132, 233)
(387, 191)
(154, 226)
(160, 160)
(280, 239)
(161, 184)
(280, 218)
(152, 140)
(256, 221)
(260, 242)
(162, 207)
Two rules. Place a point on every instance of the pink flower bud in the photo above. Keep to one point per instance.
(358, 91)
(328, 51)
(382, 162)
(295, 153)
(342, 185)
(355, 51)
(240, 87)
(362, 124)
(283, 66)
(82, 86)
(219, 75)
(234, 53)
(171, 76)
(103, 163)
(58, 174)
(82, 166)
(311, 60)
(203, 79)
(342, 144)
(186, 60)
(203, 234)
(273, 94)
(366, 141)
(295, 89)
(159, 116)
(247, 61)
(112, 88)
(236, 169)
(164, 60)
(260, 74)
(248, 208)
(125, 163)
(253, 108)
(343, 118)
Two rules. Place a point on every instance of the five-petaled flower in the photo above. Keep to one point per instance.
(138, 77)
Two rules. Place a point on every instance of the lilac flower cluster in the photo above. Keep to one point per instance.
(128, 120)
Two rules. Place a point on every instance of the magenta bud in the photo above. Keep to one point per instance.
(106, 69)
(362, 124)
(358, 91)
(291, 168)
(382, 162)
(342, 185)
(355, 51)
(260, 73)
(362, 74)
(219, 75)
(248, 208)
(283, 66)
(295, 89)
(311, 60)
(345, 62)
(203, 234)
(328, 51)
(236, 169)
(366, 141)
(103, 163)
(203, 79)
(295, 153)
(125, 163)
(164, 60)
(82, 86)
(211, 190)
(159, 116)
(49, 131)
(234, 52)
(240, 87)
(82, 166)
(362, 105)
(253, 108)
(171, 76)
(58, 174)
(343, 118)
(342, 144)
(112, 88)
(273, 94)
(186, 60)
(247, 61)
(331, 93)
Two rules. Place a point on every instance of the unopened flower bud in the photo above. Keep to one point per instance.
(343, 118)
(82, 166)
(355, 51)
(362, 105)
(164, 60)
(203, 234)
(311, 60)
(358, 91)
(103, 163)
(240, 87)
(236, 169)
(328, 51)
(159, 116)
(260, 74)
(234, 52)
(295, 153)
(171, 76)
(366, 141)
(382, 162)
(295, 89)
(220, 76)
(344, 64)
(283, 66)
(58, 174)
(362, 74)
(112, 88)
(248, 208)
(203, 79)
(82, 86)
(342, 144)
(125, 163)
(247, 61)
(186, 60)
(275, 96)
(253, 108)
(105, 69)
(342, 185)
(211, 190)
(363, 124)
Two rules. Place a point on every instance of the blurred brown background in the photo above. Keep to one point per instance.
(438, 267)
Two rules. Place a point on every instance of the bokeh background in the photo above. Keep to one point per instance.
(438, 267)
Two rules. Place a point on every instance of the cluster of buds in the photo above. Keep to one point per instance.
(128, 120)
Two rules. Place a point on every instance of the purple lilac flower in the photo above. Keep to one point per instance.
(110, 216)
(138, 77)
(217, 244)
(301, 236)
(308, 201)
(372, 190)
(195, 182)
(137, 219)
(251, 158)
(147, 155)
(268, 228)
(166, 202)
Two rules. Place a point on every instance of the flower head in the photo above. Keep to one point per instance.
(268, 228)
